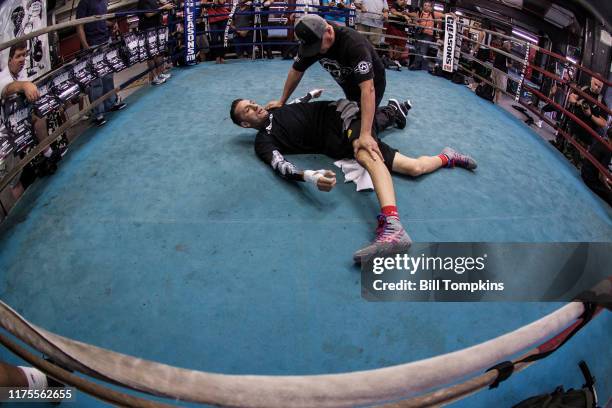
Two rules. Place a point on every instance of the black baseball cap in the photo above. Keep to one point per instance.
(309, 31)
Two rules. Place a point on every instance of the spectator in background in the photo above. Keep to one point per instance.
(262, 35)
(591, 114)
(302, 7)
(499, 75)
(218, 15)
(148, 21)
(90, 35)
(335, 11)
(201, 33)
(243, 38)
(398, 17)
(425, 32)
(12, 81)
(600, 184)
(371, 17)
(481, 50)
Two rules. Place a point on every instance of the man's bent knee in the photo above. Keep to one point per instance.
(364, 158)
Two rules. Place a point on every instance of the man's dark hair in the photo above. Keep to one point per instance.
(233, 111)
(21, 45)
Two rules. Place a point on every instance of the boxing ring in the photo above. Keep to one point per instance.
(163, 237)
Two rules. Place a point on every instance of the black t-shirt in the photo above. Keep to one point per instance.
(595, 110)
(590, 173)
(351, 61)
(501, 62)
(145, 22)
(241, 21)
(397, 22)
(302, 128)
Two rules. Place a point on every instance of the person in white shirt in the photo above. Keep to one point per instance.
(302, 7)
(371, 17)
(12, 80)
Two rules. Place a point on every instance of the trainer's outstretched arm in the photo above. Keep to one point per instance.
(293, 80)
(315, 93)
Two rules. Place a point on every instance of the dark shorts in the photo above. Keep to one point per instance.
(336, 143)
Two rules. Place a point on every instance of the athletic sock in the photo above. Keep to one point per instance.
(36, 378)
(389, 211)
(445, 160)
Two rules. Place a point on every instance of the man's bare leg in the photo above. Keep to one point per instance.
(415, 167)
(381, 178)
(390, 235)
(428, 164)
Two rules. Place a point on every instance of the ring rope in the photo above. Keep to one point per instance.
(65, 377)
(556, 105)
(603, 170)
(333, 390)
(50, 139)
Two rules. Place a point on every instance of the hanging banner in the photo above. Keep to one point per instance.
(448, 58)
(230, 22)
(21, 17)
(190, 32)
(525, 64)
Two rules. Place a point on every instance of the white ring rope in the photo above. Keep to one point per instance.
(329, 390)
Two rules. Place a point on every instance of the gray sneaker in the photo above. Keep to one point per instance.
(457, 159)
(391, 238)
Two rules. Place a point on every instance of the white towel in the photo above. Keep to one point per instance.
(355, 172)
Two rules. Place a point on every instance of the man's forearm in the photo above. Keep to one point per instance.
(599, 121)
(368, 102)
(13, 88)
(82, 38)
(293, 79)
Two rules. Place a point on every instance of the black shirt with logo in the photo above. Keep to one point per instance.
(351, 60)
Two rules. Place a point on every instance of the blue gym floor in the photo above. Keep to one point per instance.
(163, 236)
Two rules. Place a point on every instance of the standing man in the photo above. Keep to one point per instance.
(13, 80)
(242, 26)
(352, 62)
(371, 17)
(425, 32)
(589, 112)
(301, 8)
(90, 35)
(500, 74)
(152, 20)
